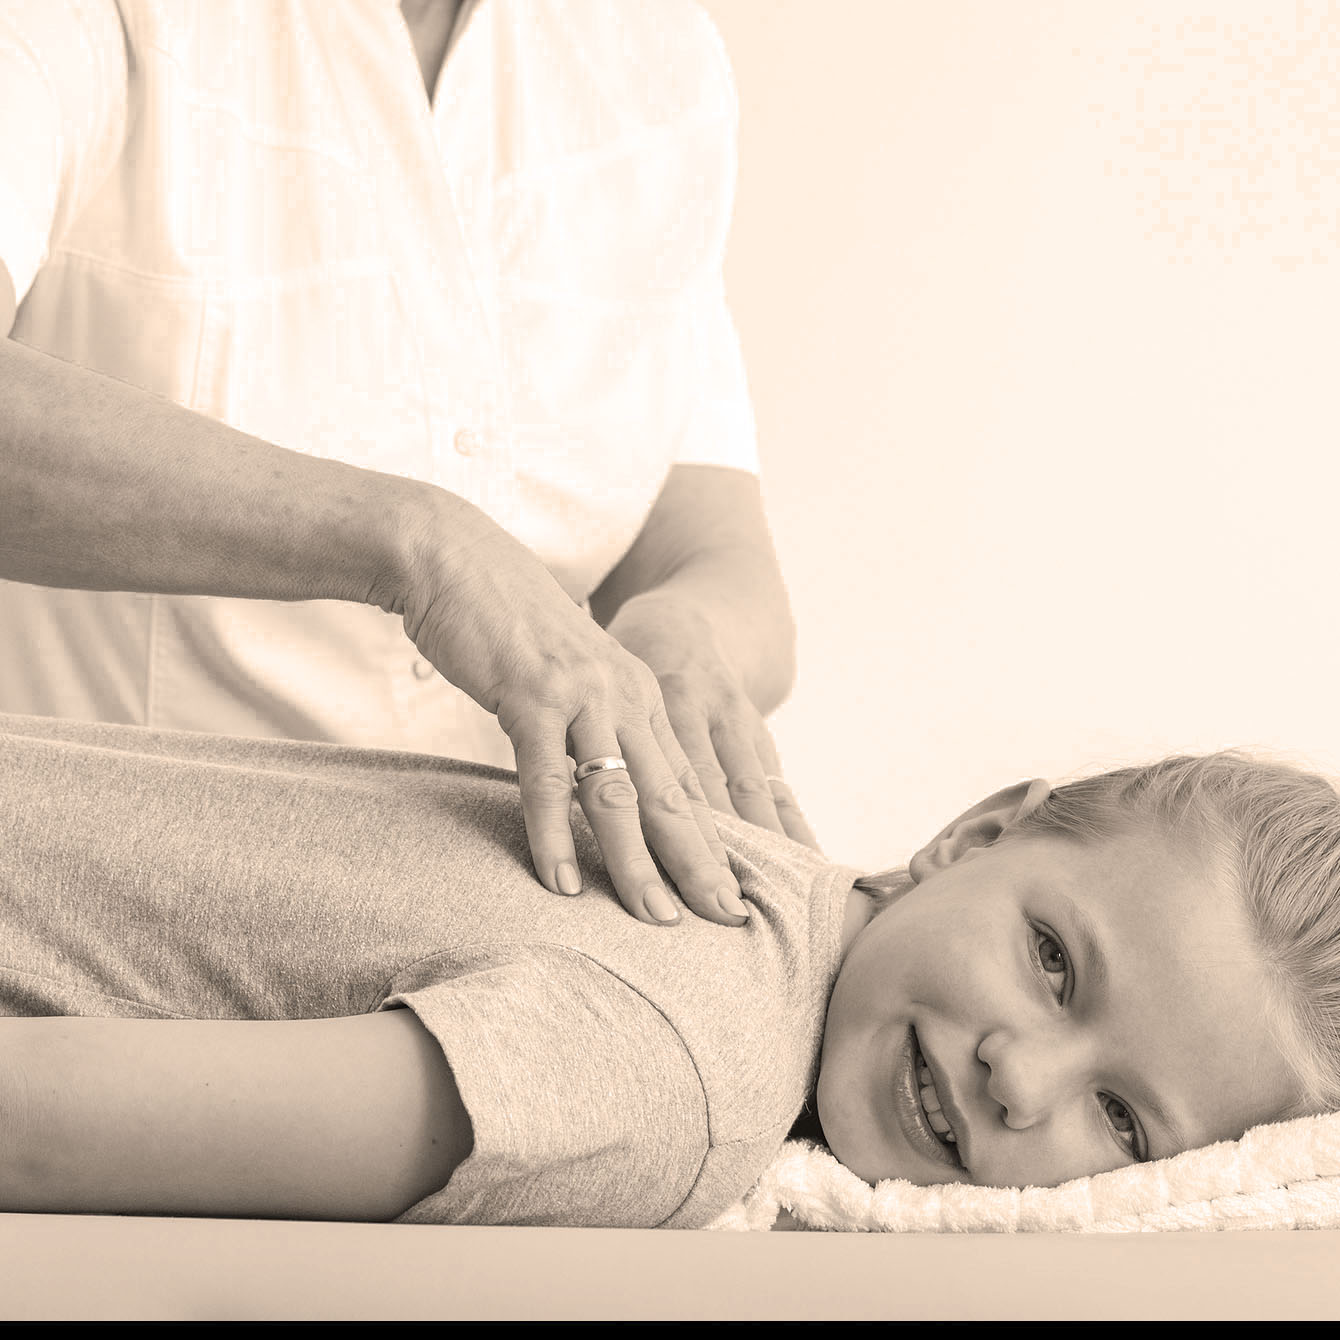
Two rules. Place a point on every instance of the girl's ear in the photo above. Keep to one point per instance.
(978, 827)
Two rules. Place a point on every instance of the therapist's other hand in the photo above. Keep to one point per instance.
(718, 726)
(491, 617)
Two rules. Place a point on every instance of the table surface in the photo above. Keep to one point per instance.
(91, 1267)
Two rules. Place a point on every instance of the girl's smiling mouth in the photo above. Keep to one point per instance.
(919, 1107)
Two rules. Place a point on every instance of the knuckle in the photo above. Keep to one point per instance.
(537, 669)
(691, 786)
(525, 718)
(548, 665)
(586, 679)
(667, 715)
(550, 786)
(735, 704)
(614, 794)
(640, 689)
(749, 786)
(674, 700)
(708, 770)
(670, 798)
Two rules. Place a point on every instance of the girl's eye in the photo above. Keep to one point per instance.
(1051, 957)
(1123, 1122)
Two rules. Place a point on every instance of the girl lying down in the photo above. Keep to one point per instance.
(310, 981)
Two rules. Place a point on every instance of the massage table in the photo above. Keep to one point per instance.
(94, 1267)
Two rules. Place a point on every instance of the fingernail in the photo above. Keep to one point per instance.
(730, 903)
(569, 881)
(659, 904)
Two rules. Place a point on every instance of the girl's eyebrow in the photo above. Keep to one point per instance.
(1095, 968)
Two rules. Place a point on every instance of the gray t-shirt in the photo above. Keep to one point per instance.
(616, 1074)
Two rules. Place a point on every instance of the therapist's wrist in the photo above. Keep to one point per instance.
(369, 547)
(417, 532)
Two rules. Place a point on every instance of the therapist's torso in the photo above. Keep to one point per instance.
(513, 290)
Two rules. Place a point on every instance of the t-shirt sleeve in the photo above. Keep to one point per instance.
(586, 1108)
(62, 120)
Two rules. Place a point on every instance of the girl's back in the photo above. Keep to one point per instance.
(614, 1072)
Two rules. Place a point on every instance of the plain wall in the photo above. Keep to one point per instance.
(1038, 302)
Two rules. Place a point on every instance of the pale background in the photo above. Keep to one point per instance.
(1038, 300)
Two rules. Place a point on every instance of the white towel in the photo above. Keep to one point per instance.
(1284, 1175)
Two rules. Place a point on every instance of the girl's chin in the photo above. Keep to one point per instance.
(875, 1156)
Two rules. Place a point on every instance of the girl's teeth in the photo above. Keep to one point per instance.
(937, 1121)
(930, 1102)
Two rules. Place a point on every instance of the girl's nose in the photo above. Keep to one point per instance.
(1026, 1076)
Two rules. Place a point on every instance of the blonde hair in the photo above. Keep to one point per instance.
(1270, 829)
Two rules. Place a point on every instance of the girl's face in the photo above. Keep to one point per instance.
(1068, 1008)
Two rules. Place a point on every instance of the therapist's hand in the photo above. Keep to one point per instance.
(716, 723)
(490, 616)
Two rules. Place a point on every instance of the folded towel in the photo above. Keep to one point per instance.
(1283, 1175)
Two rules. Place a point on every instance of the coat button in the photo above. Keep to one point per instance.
(422, 669)
(466, 441)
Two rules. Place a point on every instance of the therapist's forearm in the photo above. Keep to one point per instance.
(105, 486)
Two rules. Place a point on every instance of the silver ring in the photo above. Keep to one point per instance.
(612, 763)
(772, 778)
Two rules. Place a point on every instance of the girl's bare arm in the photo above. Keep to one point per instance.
(353, 1118)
